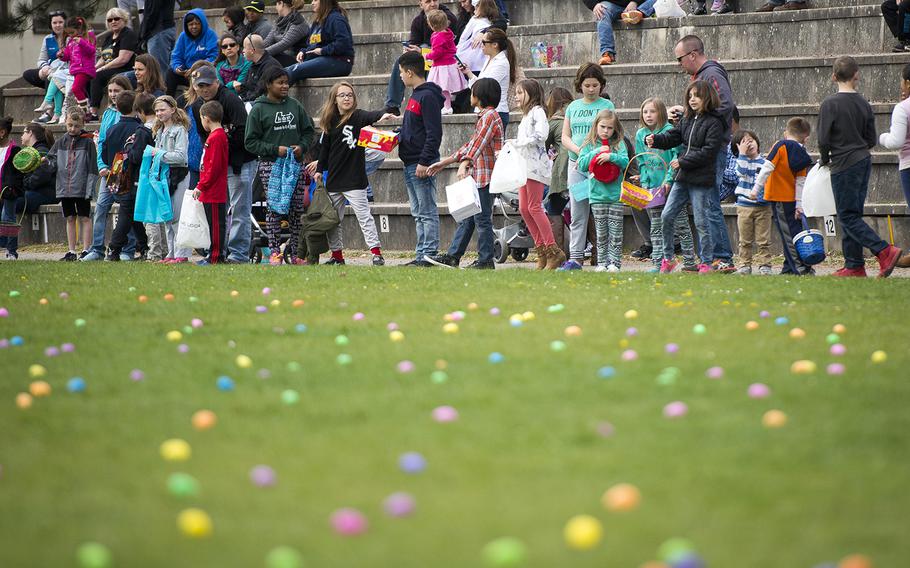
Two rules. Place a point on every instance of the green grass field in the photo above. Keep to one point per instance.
(526, 454)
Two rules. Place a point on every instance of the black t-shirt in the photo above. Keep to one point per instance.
(340, 154)
(111, 47)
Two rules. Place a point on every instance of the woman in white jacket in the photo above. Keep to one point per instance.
(898, 138)
(531, 145)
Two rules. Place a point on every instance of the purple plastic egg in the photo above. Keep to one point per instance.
(266, 291)
(64, 295)
(765, 314)
(405, 366)
(137, 375)
(358, 316)
(759, 390)
(399, 504)
(392, 326)
(263, 476)
(671, 348)
(4, 343)
(349, 522)
(196, 323)
(4, 313)
(676, 409)
(261, 309)
(838, 349)
(183, 348)
(494, 311)
(445, 414)
(67, 348)
(836, 369)
(632, 332)
(51, 351)
(412, 462)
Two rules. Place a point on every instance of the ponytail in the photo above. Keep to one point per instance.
(503, 42)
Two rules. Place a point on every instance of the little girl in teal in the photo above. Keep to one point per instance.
(605, 144)
(656, 175)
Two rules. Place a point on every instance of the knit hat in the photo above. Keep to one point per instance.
(27, 160)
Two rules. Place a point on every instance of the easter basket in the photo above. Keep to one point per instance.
(8, 229)
(810, 244)
(638, 197)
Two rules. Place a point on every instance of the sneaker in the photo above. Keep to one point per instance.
(600, 268)
(612, 268)
(700, 10)
(70, 257)
(900, 47)
(715, 6)
(607, 59)
(904, 262)
(334, 261)
(296, 261)
(177, 260)
(744, 270)
(445, 260)
(724, 267)
(653, 270)
(126, 257)
(275, 259)
(378, 260)
(47, 117)
(447, 111)
(767, 7)
(667, 266)
(792, 6)
(705, 269)
(643, 252)
(91, 117)
(690, 268)
(764, 270)
(569, 265)
(393, 110)
(112, 257)
(725, 8)
(477, 265)
(45, 106)
(887, 260)
(203, 262)
(851, 272)
(12, 255)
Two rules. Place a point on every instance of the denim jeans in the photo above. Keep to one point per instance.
(160, 46)
(99, 222)
(605, 25)
(319, 67)
(422, 196)
(395, 91)
(33, 201)
(240, 198)
(905, 184)
(850, 187)
(719, 235)
(484, 223)
(680, 194)
(504, 117)
(374, 160)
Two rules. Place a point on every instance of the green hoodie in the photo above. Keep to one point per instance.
(653, 172)
(604, 192)
(272, 124)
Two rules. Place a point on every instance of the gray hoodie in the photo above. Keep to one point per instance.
(715, 74)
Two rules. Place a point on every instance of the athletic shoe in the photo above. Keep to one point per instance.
(900, 47)
(725, 8)
(296, 261)
(667, 266)
(445, 260)
(600, 268)
(724, 267)
(744, 270)
(607, 59)
(705, 269)
(126, 257)
(112, 257)
(569, 265)
(12, 255)
(764, 270)
(334, 261)
(690, 268)
(48, 117)
(177, 260)
(792, 6)
(700, 10)
(887, 260)
(653, 270)
(203, 262)
(612, 268)
(643, 252)
(715, 6)
(275, 259)
(378, 260)
(904, 261)
(477, 265)
(768, 7)
(70, 257)
(447, 111)
(851, 272)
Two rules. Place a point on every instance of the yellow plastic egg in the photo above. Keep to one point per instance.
(174, 336)
(243, 361)
(175, 450)
(774, 419)
(194, 523)
(35, 371)
(583, 532)
(450, 327)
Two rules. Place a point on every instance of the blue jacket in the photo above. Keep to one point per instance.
(189, 50)
(333, 36)
(421, 127)
(108, 119)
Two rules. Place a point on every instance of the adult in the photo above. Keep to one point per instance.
(779, 6)
(197, 42)
(608, 11)
(419, 38)
(115, 56)
(330, 47)
(290, 33)
(11, 184)
(39, 186)
(690, 53)
(256, 22)
(231, 65)
(50, 45)
(501, 66)
(148, 75)
(242, 163)
(464, 15)
(234, 20)
(470, 43)
(252, 87)
(157, 31)
(898, 138)
(896, 17)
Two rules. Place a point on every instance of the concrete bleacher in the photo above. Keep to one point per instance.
(779, 66)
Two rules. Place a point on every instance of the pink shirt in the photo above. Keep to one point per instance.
(443, 48)
(80, 53)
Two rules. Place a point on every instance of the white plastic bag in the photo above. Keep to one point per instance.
(818, 197)
(510, 171)
(463, 199)
(668, 9)
(193, 230)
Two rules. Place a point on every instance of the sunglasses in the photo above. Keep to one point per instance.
(228, 45)
(60, 13)
(485, 42)
(680, 58)
(114, 19)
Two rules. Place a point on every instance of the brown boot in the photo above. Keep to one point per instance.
(542, 256)
(555, 257)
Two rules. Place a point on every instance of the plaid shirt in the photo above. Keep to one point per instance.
(483, 147)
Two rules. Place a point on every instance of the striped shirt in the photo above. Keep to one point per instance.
(747, 170)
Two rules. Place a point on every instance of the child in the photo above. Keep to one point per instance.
(129, 135)
(339, 153)
(783, 176)
(589, 81)
(478, 155)
(421, 135)
(846, 132)
(602, 145)
(212, 187)
(701, 130)
(532, 146)
(279, 126)
(753, 216)
(73, 158)
(557, 197)
(658, 176)
(80, 53)
(444, 71)
(170, 131)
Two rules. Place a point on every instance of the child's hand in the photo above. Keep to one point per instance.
(300, 57)
(674, 164)
(743, 147)
(649, 140)
(635, 179)
(463, 170)
(434, 169)
(196, 194)
(799, 212)
(103, 173)
(603, 157)
(298, 151)
(282, 151)
(387, 116)
(753, 195)
(311, 168)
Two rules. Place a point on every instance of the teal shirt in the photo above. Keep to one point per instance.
(604, 192)
(581, 115)
(108, 119)
(653, 172)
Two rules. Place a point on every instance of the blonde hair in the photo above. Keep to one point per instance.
(331, 116)
(120, 13)
(438, 20)
(605, 114)
(179, 117)
(660, 107)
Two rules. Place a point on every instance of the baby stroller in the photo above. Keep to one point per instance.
(259, 241)
(513, 238)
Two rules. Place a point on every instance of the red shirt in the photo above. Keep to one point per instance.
(213, 172)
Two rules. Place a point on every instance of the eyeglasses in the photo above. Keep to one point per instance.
(114, 19)
(228, 45)
(344, 96)
(57, 13)
(680, 58)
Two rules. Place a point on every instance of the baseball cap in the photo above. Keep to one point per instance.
(255, 5)
(205, 75)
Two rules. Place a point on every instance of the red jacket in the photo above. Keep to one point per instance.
(214, 170)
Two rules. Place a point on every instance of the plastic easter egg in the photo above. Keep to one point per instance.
(803, 367)
(397, 336)
(182, 485)
(196, 323)
(764, 314)
(24, 400)
(671, 348)
(344, 359)
(797, 333)
(264, 374)
(668, 376)
(557, 346)
(75, 385)
(621, 498)
(4, 313)
(449, 328)
(174, 336)
(631, 314)
(439, 377)
(204, 419)
(194, 523)
(275, 303)
(93, 555)
(175, 450)
(632, 332)
(283, 557)
(445, 414)
(699, 329)
(234, 293)
(494, 311)
(629, 355)
(405, 366)
(298, 303)
(672, 550)
(690, 560)
(838, 349)
(583, 532)
(774, 419)
(751, 325)
(266, 291)
(832, 338)
(79, 322)
(300, 328)
(715, 373)
(349, 522)
(193, 299)
(243, 361)
(473, 306)
(224, 383)
(39, 389)
(14, 293)
(504, 552)
(836, 369)
(879, 357)
(143, 299)
(43, 302)
(606, 372)
(16, 341)
(263, 476)
(342, 340)
(855, 561)
(290, 397)
(676, 409)
(136, 375)
(183, 348)
(399, 504)
(359, 316)
(67, 348)
(839, 328)
(781, 321)
(35, 371)
(573, 331)
(412, 462)
(528, 316)
(4, 343)
(496, 357)
(555, 308)
(261, 309)
(605, 429)
(758, 390)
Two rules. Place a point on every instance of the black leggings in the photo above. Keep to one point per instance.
(173, 80)
(125, 222)
(99, 84)
(31, 75)
(895, 14)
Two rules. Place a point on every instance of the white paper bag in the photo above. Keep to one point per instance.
(509, 172)
(818, 197)
(463, 199)
(668, 9)
(193, 230)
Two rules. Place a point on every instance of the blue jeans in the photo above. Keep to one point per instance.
(504, 117)
(12, 209)
(680, 194)
(395, 91)
(605, 25)
(422, 196)
(240, 198)
(484, 223)
(99, 222)
(319, 67)
(160, 46)
(905, 184)
(372, 166)
(719, 235)
(850, 187)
